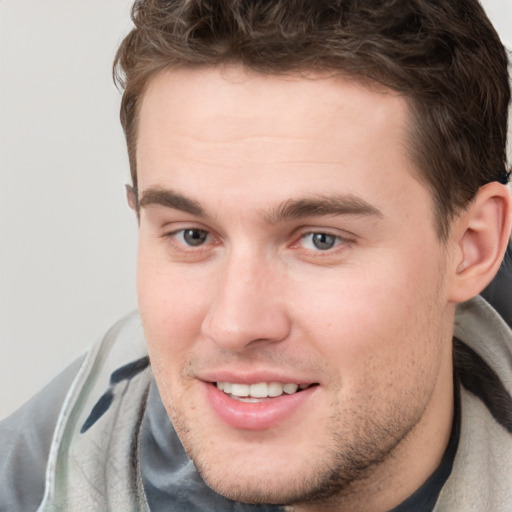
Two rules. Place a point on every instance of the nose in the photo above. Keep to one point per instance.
(248, 306)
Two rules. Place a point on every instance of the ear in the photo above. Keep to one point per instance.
(131, 198)
(481, 235)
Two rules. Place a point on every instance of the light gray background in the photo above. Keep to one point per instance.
(67, 239)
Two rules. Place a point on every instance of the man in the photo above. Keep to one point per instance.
(318, 186)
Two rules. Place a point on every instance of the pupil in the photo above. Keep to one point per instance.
(323, 241)
(195, 237)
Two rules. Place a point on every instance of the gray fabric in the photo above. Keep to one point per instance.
(25, 448)
(97, 469)
(481, 479)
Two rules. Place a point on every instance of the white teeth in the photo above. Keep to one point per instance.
(259, 390)
(239, 389)
(289, 389)
(275, 389)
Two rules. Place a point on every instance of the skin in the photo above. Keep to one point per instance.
(368, 320)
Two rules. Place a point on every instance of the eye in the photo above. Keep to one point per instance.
(193, 237)
(320, 241)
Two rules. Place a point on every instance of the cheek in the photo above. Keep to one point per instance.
(371, 321)
(171, 304)
(171, 318)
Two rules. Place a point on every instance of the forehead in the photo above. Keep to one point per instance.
(243, 104)
(277, 135)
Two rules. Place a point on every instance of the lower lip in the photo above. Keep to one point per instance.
(257, 415)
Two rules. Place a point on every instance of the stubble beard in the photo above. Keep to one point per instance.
(335, 475)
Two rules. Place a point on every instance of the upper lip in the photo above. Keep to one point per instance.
(253, 377)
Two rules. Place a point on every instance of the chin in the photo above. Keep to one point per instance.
(286, 471)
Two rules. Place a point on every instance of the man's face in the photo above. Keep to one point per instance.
(288, 256)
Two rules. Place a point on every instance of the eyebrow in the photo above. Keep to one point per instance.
(322, 205)
(292, 209)
(170, 199)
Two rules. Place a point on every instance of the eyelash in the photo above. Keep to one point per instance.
(337, 240)
(183, 233)
(178, 240)
(319, 237)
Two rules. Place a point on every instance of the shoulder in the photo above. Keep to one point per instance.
(483, 359)
(27, 435)
(26, 438)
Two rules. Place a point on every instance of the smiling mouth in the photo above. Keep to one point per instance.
(262, 390)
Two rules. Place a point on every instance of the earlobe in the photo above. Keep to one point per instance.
(131, 198)
(482, 232)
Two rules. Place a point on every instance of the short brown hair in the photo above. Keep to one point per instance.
(444, 56)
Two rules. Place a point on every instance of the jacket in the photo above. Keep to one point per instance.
(95, 453)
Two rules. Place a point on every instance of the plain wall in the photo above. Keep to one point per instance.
(67, 238)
